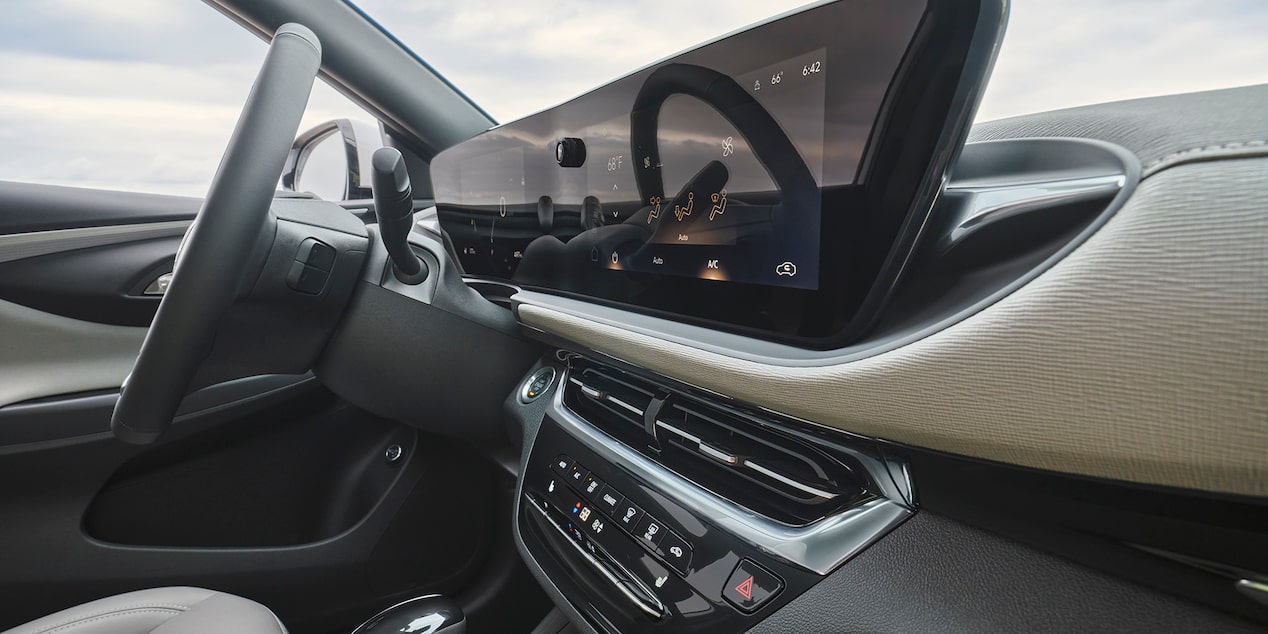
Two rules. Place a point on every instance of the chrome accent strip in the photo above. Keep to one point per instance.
(804, 488)
(720, 456)
(1254, 590)
(819, 547)
(674, 430)
(651, 610)
(20, 246)
(627, 406)
(600, 395)
(990, 203)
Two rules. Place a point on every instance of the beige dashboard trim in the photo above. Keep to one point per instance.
(1142, 356)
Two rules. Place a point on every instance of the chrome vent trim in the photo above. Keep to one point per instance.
(705, 431)
(734, 464)
(819, 547)
(801, 486)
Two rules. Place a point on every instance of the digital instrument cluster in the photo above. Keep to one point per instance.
(702, 174)
(757, 182)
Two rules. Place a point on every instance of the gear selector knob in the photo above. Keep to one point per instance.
(394, 206)
(432, 614)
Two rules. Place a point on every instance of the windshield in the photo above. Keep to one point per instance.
(517, 57)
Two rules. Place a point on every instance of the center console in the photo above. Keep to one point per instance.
(651, 506)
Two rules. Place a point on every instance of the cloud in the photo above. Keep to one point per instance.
(1057, 53)
(1064, 53)
(155, 117)
(515, 59)
(143, 94)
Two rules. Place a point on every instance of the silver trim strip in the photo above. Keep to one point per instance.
(20, 246)
(600, 395)
(991, 203)
(727, 458)
(670, 428)
(719, 455)
(804, 488)
(651, 610)
(1254, 590)
(627, 406)
(819, 547)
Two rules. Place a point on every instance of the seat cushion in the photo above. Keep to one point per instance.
(175, 610)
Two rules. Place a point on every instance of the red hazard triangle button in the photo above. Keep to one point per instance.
(750, 586)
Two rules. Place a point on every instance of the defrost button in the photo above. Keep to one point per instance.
(650, 531)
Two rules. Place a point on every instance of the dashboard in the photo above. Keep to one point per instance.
(678, 478)
(772, 183)
(762, 183)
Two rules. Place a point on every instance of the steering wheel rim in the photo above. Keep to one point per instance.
(214, 260)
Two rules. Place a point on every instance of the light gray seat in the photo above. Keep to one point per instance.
(175, 610)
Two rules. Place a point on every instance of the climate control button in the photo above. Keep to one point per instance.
(650, 531)
(628, 514)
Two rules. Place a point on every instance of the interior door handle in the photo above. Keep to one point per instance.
(159, 285)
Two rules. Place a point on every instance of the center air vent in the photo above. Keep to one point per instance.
(732, 453)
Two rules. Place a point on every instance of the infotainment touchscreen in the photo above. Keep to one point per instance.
(742, 182)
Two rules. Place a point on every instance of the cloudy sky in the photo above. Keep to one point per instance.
(142, 94)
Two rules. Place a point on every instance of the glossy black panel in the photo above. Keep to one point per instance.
(692, 599)
(766, 181)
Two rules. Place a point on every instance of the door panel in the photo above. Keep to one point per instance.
(69, 262)
(27, 207)
(269, 487)
(42, 354)
(103, 284)
(88, 413)
(283, 499)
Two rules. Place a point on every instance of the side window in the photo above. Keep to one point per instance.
(137, 98)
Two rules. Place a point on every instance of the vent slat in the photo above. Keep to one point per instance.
(732, 454)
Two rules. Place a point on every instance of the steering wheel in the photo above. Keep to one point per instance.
(214, 262)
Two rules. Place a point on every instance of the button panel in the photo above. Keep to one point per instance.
(685, 565)
(597, 507)
(311, 268)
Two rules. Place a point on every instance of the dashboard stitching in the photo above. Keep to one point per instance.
(1240, 149)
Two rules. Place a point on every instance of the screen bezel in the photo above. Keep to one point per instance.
(920, 128)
